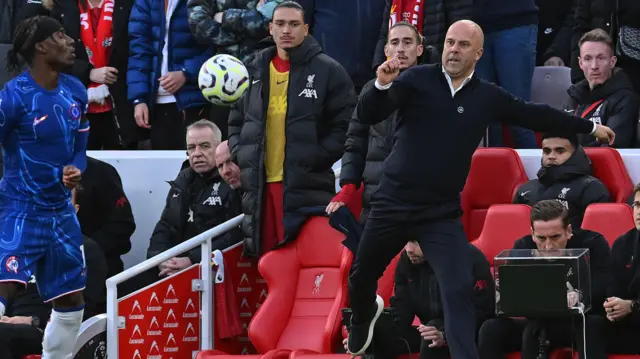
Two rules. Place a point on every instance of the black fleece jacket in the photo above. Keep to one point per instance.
(599, 262)
(432, 121)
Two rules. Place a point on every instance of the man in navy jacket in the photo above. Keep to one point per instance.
(162, 77)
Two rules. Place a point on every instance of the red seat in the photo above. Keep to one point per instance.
(307, 281)
(494, 176)
(615, 356)
(609, 219)
(505, 224)
(609, 168)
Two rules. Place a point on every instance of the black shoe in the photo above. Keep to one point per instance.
(361, 334)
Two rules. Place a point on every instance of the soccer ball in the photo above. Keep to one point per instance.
(223, 79)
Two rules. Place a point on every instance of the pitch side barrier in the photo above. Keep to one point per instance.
(158, 312)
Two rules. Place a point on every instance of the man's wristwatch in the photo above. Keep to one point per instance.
(35, 321)
(635, 306)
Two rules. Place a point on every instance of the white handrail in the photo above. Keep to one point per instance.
(204, 241)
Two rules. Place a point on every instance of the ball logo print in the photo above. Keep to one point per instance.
(12, 264)
(223, 79)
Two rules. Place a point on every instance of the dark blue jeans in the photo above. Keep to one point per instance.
(509, 60)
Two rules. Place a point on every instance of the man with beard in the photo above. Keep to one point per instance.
(565, 176)
(538, 337)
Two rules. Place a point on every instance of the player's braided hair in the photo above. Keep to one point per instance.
(30, 32)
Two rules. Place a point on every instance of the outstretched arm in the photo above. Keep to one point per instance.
(538, 117)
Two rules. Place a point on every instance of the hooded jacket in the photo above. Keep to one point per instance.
(618, 110)
(195, 204)
(320, 101)
(599, 263)
(570, 183)
(417, 293)
(625, 268)
(105, 214)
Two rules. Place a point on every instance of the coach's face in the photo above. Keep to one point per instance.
(597, 62)
(288, 28)
(201, 148)
(551, 235)
(462, 48)
(414, 252)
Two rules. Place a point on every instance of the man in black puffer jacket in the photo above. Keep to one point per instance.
(606, 96)
(565, 176)
(198, 200)
(367, 146)
(288, 130)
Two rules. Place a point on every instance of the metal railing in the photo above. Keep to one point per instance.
(206, 320)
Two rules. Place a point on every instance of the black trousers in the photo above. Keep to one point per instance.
(445, 246)
(169, 125)
(500, 336)
(18, 340)
(104, 133)
(621, 337)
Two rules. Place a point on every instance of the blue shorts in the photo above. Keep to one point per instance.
(46, 244)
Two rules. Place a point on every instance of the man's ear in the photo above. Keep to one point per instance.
(41, 47)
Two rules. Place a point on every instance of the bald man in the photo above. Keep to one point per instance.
(443, 113)
(229, 171)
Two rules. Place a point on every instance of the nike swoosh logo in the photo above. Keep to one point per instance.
(37, 121)
(255, 82)
(280, 82)
(524, 193)
(568, 111)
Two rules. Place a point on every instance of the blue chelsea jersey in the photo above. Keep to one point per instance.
(41, 131)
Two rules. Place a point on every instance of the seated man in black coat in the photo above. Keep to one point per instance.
(565, 175)
(417, 293)
(550, 229)
(198, 200)
(623, 305)
(104, 212)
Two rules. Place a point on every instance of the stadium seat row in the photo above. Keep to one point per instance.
(307, 280)
(496, 173)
